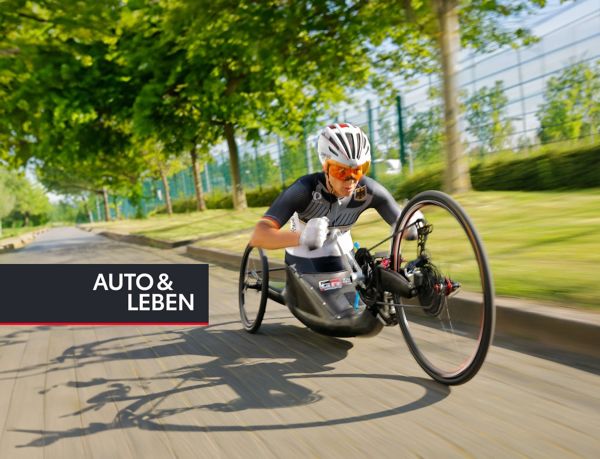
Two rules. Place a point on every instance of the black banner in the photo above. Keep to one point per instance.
(104, 294)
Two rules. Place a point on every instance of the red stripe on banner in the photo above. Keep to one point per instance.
(204, 324)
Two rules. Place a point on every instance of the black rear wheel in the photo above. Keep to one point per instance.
(253, 288)
(449, 325)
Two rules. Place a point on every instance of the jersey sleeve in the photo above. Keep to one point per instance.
(293, 199)
(384, 203)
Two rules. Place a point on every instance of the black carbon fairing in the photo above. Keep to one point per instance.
(325, 302)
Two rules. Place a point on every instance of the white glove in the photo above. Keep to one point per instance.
(411, 234)
(315, 233)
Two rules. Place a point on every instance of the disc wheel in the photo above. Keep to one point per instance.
(449, 325)
(253, 288)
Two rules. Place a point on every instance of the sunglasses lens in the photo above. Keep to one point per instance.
(344, 173)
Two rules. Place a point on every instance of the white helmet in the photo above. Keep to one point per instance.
(344, 143)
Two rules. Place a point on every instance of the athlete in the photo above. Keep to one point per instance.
(331, 199)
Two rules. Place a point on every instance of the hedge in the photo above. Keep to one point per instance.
(548, 170)
(551, 170)
(255, 198)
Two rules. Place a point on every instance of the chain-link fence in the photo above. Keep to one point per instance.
(511, 100)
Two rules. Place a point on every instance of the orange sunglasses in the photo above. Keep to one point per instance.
(341, 172)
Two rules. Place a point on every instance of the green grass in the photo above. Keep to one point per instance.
(8, 233)
(187, 226)
(542, 245)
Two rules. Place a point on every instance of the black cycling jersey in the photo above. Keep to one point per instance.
(308, 196)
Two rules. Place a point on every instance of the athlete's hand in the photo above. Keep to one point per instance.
(315, 233)
(411, 234)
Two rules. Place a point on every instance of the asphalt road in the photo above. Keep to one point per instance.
(287, 392)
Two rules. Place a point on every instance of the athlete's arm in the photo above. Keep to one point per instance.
(390, 211)
(384, 203)
(267, 232)
(268, 236)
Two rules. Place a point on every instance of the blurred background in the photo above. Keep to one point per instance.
(152, 111)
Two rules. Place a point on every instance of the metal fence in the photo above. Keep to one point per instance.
(523, 73)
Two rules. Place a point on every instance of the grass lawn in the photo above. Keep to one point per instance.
(187, 226)
(542, 245)
(8, 233)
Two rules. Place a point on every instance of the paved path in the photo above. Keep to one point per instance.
(162, 392)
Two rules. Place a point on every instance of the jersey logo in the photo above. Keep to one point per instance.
(360, 194)
(317, 196)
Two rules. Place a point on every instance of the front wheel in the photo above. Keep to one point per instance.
(253, 288)
(449, 325)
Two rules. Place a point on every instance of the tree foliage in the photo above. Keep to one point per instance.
(85, 85)
(571, 108)
(29, 201)
(425, 135)
(487, 118)
(7, 199)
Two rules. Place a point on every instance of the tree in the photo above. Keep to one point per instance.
(162, 164)
(387, 137)
(88, 79)
(417, 37)
(242, 80)
(425, 135)
(7, 199)
(29, 200)
(487, 119)
(293, 161)
(68, 100)
(571, 108)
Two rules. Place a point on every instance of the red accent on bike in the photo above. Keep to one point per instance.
(449, 288)
(385, 263)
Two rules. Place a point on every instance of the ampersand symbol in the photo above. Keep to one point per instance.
(164, 283)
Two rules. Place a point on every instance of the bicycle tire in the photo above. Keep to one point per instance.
(253, 288)
(432, 335)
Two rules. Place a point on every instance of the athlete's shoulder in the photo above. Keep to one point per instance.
(373, 186)
(310, 181)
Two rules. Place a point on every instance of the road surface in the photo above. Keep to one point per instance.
(162, 392)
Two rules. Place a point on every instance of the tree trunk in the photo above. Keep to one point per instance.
(86, 210)
(106, 207)
(117, 210)
(457, 178)
(165, 181)
(239, 197)
(201, 204)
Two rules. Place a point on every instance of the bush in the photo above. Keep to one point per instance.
(219, 200)
(547, 170)
(429, 178)
(552, 170)
(264, 198)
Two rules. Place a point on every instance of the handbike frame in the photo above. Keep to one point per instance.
(377, 286)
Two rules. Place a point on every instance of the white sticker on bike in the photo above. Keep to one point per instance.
(332, 284)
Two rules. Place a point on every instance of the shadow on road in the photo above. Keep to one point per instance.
(264, 371)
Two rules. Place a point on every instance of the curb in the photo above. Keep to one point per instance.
(154, 242)
(18, 242)
(144, 240)
(559, 329)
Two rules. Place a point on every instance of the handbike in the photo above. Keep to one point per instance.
(437, 287)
